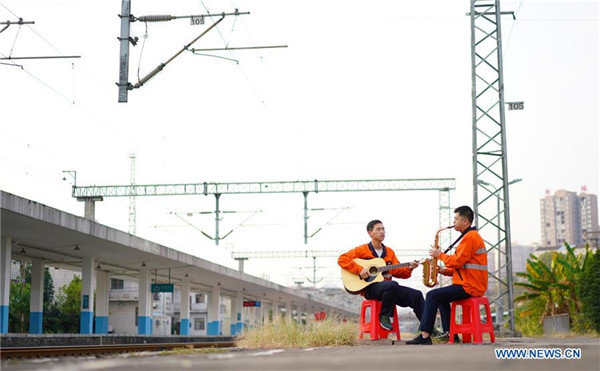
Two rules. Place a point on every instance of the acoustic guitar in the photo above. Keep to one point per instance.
(354, 284)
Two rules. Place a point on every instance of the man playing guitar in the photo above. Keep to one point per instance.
(389, 292)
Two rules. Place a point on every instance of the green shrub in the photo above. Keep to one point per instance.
(589, 291)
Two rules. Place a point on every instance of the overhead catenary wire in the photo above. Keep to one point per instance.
(512, 27)
(217, 56)
(63, 96)
(239, 48)
(29, 23)
(12, 64)
(40, 80)
(73, 80)
(142, 51)
(239, 65)
(43, 57)
(14, 41)
(105, 88)
(260, 57)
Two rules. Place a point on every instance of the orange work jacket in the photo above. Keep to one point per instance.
(367, 251)
(468, 265)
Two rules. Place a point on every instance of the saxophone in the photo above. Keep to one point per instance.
(430, 266)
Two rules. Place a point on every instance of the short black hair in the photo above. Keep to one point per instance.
(465, 212)
(372, 223)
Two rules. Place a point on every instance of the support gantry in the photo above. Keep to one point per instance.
(91, 193)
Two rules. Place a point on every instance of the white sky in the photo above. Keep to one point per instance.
(364, 91)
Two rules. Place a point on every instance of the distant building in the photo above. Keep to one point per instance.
(520, 254)
(123, 309)
(566, 217)
(589, 211)
(335, 296)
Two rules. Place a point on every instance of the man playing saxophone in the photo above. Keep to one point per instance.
(468, 268)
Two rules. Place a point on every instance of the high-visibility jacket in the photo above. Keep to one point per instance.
(468, 265)
(367, 251)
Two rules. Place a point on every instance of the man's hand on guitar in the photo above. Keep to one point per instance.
(414, 264)
(364, 273)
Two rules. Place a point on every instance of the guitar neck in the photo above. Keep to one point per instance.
(395, 266)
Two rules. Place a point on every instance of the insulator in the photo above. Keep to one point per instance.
(149, 76)
(155, 18)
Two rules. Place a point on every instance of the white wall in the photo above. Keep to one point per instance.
(121, 317)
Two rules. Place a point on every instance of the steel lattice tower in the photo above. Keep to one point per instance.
(445, 219)
(132, 193)
(490, 175)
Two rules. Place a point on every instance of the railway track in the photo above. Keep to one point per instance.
(81, 350)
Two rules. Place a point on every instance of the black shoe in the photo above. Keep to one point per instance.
(385, 323)
(456, 339)
(420, 340)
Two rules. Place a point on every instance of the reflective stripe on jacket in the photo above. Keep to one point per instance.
(468, 266)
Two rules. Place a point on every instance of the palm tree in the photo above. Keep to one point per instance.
(553, 284)
(544, 283)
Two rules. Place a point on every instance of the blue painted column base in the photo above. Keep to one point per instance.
(35, 322)
(214, 328)
(184, 326)
(86, 323)
(144, 325)
(3, 319)
(101, 325)
(236, 328)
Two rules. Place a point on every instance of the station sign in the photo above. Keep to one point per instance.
(195, 21)
(515, 105)
(161, 287)
(251, 303)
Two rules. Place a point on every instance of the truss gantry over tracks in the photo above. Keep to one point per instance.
(299, 186)
(90, 194)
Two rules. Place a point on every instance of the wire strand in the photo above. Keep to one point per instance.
(57, 50)
(231, 32)
(14, 41)
(73, 80)
(512, 28)
(258, 52)
(232, 56)
(142, 51)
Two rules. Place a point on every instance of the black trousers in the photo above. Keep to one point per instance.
(390, 293)
(441, 299)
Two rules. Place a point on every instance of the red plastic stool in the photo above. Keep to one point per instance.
(320, 316)
(471, 321)
(372, 327)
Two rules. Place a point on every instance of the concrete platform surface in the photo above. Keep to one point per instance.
(384, 357)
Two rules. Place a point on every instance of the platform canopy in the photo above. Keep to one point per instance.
(62, 240)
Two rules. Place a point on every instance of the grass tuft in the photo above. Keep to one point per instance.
(290, 334)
